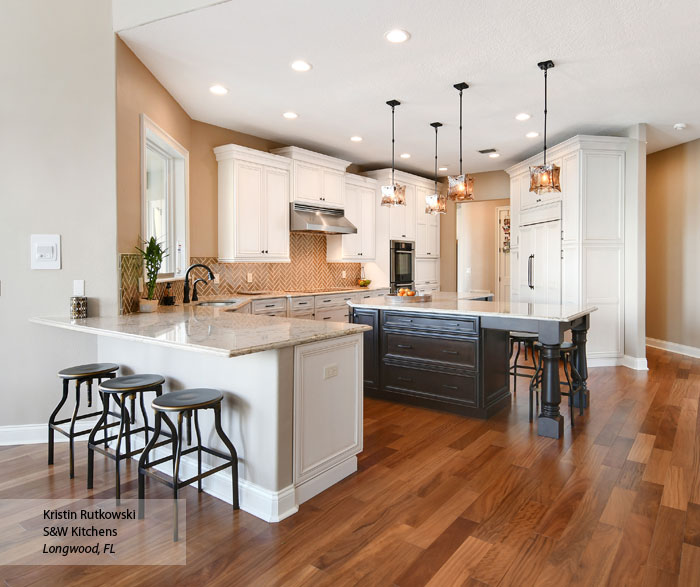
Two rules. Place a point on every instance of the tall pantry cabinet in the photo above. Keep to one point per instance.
(568, 247)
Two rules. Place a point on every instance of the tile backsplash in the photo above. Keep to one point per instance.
(308, 269)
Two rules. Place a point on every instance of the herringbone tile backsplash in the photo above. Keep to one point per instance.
(308, 269)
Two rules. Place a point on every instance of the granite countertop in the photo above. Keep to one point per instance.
(212, 330)
(463, 303)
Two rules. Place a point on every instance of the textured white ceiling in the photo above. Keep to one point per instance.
(618, 63)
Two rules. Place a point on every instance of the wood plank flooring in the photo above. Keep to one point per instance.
(442, 500)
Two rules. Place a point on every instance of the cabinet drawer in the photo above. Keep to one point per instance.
(266, 306)
(453, 352)
(455, 387)
(304, 314)
(405, 321)
(302, 303)
(333, 314)
(276, 313)
(333, 300)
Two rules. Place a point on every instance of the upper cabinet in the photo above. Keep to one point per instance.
(427, 227)
(253, 205)
(360, 210)
(317, 179)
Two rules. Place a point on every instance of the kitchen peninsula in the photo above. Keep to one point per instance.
(453, 354)
(292, 392)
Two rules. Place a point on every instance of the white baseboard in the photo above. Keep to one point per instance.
(38, 433)
(674, 347)
(305, 491)
(636, 363)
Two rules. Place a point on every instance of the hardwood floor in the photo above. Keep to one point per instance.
(443, 500)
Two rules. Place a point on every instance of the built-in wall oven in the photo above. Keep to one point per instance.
(402, 259)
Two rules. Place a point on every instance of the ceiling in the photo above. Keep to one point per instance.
(618, 63)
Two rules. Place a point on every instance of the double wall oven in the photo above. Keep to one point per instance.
(402, 261)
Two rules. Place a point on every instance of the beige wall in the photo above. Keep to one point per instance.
(673, 242)
(57, 150)
(491, 188)
(138, 91)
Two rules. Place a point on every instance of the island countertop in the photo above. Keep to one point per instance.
(463, 304)
(209, 330)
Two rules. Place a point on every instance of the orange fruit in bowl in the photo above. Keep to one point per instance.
(410, 293)
(402, 290)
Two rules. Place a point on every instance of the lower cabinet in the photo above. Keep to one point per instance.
(436, 361)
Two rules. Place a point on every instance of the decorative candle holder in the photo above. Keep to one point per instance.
(78, 307)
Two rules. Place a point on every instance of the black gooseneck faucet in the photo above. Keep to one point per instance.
(186, 297)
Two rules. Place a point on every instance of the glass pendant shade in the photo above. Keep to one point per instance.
(544, 179)
(460, 188)
(435, 204)
(394, 195)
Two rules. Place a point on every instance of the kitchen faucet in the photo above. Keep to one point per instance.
(194, 288)
(186, 297)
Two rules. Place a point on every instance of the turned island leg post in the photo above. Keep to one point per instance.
(550, 422)
(579, 337)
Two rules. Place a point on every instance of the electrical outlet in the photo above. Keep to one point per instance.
(344, 274)
(216, 279)
(330, 371)
(249, 278)
(140, 283)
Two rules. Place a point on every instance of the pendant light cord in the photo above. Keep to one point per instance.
(392, 145)
(545, 117)
(436, 158)
(460, 132)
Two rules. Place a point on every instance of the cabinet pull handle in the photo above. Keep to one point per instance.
(269, 305)
(451, 352)
(302, 303)
(404, 346)
(529, 271)
(405, 320)
(452, 387)
(326, 317)
(404, 379)
(325, 300)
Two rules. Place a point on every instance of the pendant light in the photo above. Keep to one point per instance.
(545, 178)
(394, 194)
(436, 203)
(460, 187)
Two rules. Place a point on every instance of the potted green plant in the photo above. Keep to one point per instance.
(152, 254)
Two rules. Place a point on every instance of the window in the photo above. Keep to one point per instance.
(164, 195)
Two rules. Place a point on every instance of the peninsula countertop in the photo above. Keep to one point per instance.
(463, 304)
(211, 330)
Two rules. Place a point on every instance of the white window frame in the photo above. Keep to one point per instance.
(178, 197)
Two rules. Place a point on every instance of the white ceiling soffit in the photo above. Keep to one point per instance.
(128, 14)
(618, 63)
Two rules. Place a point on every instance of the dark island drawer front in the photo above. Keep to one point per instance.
(442, 350)
(435, 384)
(404, 320)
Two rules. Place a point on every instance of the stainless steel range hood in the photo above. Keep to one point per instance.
(307, 218)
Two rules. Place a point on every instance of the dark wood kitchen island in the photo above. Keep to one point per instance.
(452, 353)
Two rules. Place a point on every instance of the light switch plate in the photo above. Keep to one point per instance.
(45, 251)
(78, 287)
(250, 278)
(216, 278)
(330, 371)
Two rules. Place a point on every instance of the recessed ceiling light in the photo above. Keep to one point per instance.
(523, 116)
(442, 168)
(219, 90)
(494, 155)
(290, 115)
(680, 126)
(301, 65)
(532, 134)
(356, 139)
(405, 155)
(397, 36)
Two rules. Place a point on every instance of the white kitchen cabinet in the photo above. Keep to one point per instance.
(589, 264)
(253, 210)
(317, 179)
(360, 210)
(402, 219)
(427, 227)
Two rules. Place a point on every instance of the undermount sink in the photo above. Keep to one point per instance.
(220, 303)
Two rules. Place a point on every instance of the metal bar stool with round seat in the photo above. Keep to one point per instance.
(80, 374)
(122, 389)
(572, 383)
(185, 403)
(520, 339)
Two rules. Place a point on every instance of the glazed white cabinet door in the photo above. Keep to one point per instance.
(539, 273)
(433, 236)
(333, 192)
(308, 183)
(327, 405)
(249, 210)
(352, 243)
(422, 219)
(276, 214)
(367, 225)
(402, 219)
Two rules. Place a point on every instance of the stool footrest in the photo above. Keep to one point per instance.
(168, 480)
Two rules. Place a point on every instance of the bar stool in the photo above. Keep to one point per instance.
(122, 389)
(572, 383)
(80, 374)
(528, 339)
(184, 403)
